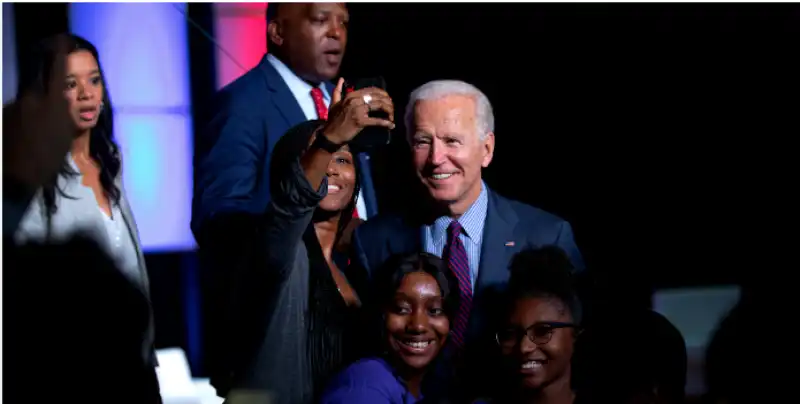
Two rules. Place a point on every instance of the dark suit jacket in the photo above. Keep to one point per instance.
(234, 149)
(510, 227)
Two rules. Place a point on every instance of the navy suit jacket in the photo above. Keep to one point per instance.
(510, 227)
(233, 150)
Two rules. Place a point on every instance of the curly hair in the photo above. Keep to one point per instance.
(544, 273)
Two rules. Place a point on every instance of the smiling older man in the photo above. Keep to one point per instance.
(451, 133)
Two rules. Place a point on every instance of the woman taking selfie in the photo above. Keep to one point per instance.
(298, 315)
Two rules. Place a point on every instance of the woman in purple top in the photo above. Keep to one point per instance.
(418, 299)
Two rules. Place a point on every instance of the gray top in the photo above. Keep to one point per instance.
(281, 366)
(79, 213)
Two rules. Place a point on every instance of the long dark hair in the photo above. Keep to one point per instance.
(35, 67)
(347, 212)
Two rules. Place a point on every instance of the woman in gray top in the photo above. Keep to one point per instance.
(87, 195)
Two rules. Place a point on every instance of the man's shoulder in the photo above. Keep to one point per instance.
(248, 87)
(526, 214)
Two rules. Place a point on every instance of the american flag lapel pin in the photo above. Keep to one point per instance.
(510, 243)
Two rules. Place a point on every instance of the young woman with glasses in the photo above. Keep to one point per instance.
(540, 325)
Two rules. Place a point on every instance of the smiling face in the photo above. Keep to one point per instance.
(539, 364)
(448, 151)
(84, 89)
(341, 181)
(416, 324)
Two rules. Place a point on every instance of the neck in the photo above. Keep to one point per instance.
(326, 228)
(455, 210)
(288, 63)
(80, 145)
(557, 392)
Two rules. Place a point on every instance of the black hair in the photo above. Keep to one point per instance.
(36, 65)
(395, 269)
(271, 15)
(650, 357)
(272, 11)
(291, 145)
(347, 212)
(544, 273)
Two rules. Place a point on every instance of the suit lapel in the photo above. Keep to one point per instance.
(330, 87)
(133, 231)
(282, 97)
(498, 243)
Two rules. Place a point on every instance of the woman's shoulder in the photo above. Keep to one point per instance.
(366, 381)
(366, 371)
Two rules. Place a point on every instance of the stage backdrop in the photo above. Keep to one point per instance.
(241, 33)
(144, 54)
(9, 54)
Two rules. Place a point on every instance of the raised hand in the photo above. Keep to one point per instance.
(348, 116)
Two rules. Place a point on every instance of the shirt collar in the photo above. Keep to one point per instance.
(71, 162)
(471, 221)
(299, 87)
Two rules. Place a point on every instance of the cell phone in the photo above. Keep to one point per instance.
(373, 136)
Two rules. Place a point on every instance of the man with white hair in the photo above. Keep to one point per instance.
(450, 128)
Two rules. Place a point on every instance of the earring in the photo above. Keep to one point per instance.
(101, 106)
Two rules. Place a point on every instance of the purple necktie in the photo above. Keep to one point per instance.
(458, 262)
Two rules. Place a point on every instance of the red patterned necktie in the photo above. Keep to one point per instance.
(458, 262)
(319, 103)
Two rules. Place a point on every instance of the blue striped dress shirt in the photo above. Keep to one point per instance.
(434, 236)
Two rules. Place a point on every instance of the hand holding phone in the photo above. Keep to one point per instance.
(360, 115)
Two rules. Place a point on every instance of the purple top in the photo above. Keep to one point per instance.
(368, 381)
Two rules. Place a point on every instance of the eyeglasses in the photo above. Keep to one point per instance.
(539, 333)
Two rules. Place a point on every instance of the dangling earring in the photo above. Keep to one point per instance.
(101, 106)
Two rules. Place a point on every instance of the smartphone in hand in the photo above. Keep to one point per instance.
(373, 136)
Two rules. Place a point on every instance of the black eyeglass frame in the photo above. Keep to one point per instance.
(530, 332)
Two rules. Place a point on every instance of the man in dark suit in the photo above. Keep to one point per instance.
(291, 85)
(450, 128)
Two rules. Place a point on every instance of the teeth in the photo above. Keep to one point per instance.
(333, 188)
(532, 365)
(417, 345)
(442, 176)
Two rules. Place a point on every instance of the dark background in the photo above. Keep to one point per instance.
(659, 131)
